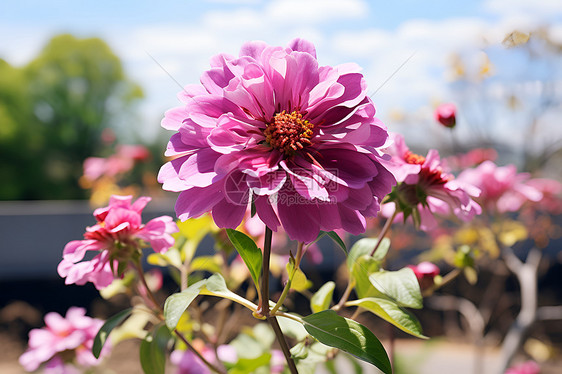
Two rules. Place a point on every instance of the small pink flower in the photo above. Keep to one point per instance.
(529, 367)
(470, 159)
(425, 272)
(503, 188)
(425, 189)
(75, 333)
(274, 127)
(118, 237)
(121, 162)
(446, 114)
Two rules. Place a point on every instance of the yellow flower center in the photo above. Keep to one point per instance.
(288, 133)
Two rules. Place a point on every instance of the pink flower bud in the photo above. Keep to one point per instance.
(446, 114)
(425, 272)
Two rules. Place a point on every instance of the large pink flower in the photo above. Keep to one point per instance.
(425, 189)
(273, 127)
(503, 188)
(75, 333)
(118, 238)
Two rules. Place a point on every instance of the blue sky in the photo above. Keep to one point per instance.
(183, 34)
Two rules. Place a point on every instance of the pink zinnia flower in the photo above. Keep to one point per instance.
(118, 237)
(425, 189)
(446, 114)
(503, 188)
(274, 128)
(52, 344)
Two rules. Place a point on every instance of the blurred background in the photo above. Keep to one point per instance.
(91, 80)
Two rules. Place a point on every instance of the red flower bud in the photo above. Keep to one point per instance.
(445, 114)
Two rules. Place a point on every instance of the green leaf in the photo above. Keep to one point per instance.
(247, 365)
(364, 266)
(216, 286)
(331, 329)
(177, 303)
(249, 252)
(297, 278)
(321, 299)
(153, 350)
(207, 263)
(336, 238)
(400, 286)
(105, 330)
(363, 247)
(392, 313)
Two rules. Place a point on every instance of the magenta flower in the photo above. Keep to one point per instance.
(118, 237)
(273, 127)
(528, 367)
(446, 114)
(425, 273)
(63, 341)
(503, 189)
(425, 189)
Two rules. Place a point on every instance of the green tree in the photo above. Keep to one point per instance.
(53, 112)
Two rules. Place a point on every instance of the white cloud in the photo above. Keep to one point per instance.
(542, 9)
(316, 11)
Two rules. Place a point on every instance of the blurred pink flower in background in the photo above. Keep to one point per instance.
(528, 367)
(425, 272)
(446, 114)
(470, 159)
(425, 189)
(503, 188)
(121, 162)
(52, 344)
(272, 124)
(551, 190)
(188, 363)
(118, 237)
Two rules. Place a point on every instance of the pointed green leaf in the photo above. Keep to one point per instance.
(177, 303)
(105, 330)
(392, 313)
(336, 238)
(216, 286)
(399, 286)
(249, 252)
(321, 299)
(153, 350)
(331, 329)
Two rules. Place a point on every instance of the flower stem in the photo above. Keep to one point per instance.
(345, 296)
(384, 231)
(192, 349)
(150, 295)
(264, 306)
(287, 288)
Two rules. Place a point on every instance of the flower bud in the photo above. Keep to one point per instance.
(445, 114)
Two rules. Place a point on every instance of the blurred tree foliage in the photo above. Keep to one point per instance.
(52, 113)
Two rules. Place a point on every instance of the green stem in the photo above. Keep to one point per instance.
(264, 307)
(150, 295)
(287, 288)
(345, 296)
(384, 231)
